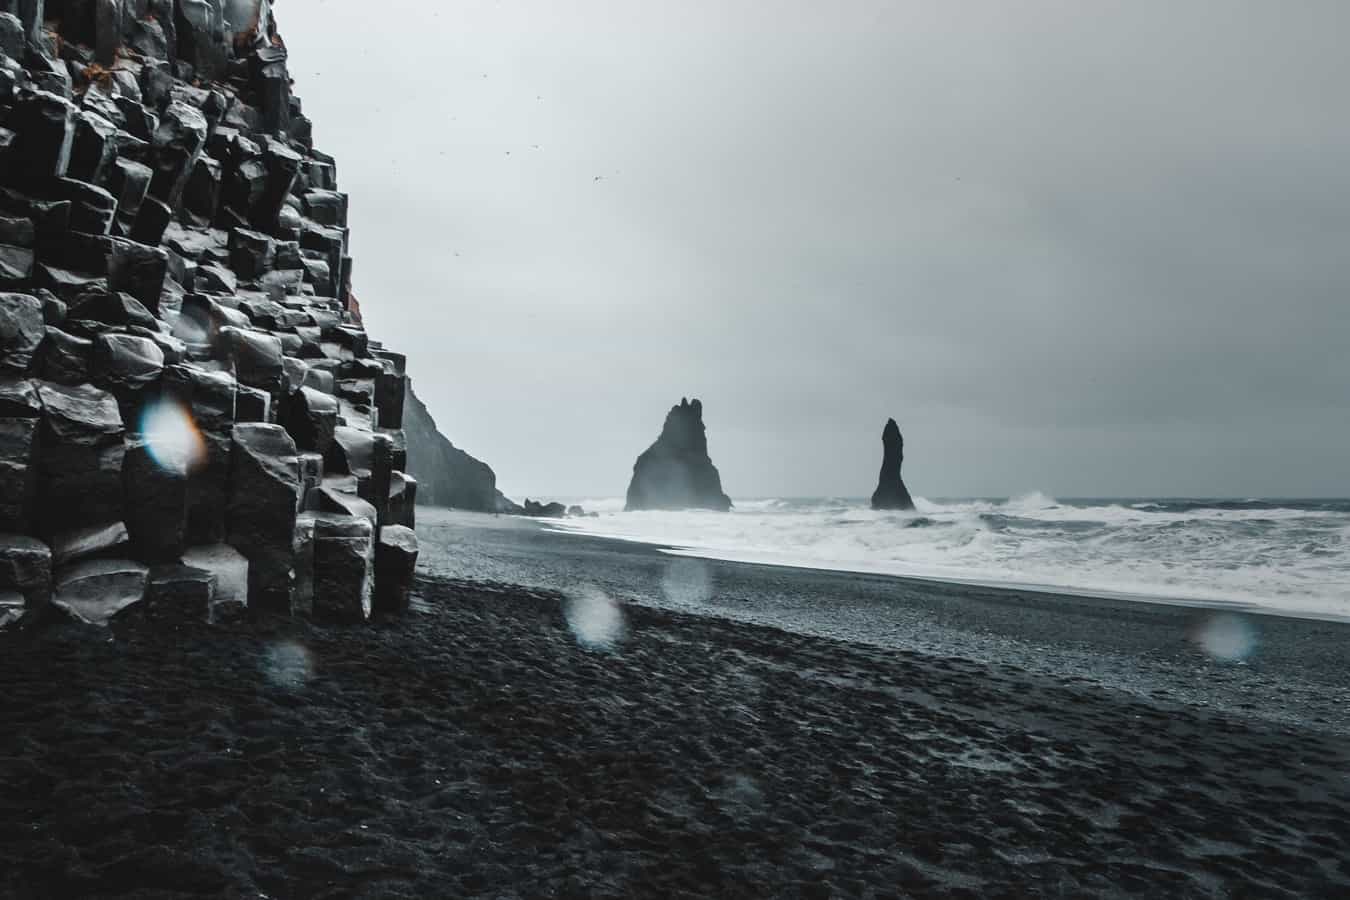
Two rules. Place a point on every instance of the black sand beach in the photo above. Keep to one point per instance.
(475, 749)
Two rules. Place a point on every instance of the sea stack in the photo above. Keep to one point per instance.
(891, 492)
(676, 472)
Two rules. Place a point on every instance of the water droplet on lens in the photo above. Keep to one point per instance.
(687, 582)
(1227, 637)
(288, 665)
(595, 619)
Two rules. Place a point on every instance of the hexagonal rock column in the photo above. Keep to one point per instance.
(30, 13)
(65, 358)
(311, 475)
(19, 416)
(209, 399)
(88, 540)
(139, 270)
(390, 389)
(251, 253)
(311, 418)
(26, 568)
(402, 500)
(178, 593)
(22, 329)
(337, 496)
(230, 570)
(368, 456)
(80, 458)
(177, 141)
(156, 501)
(264, 499)
(302, 545)
(344, 567)
(96, 590)
(252, 405)
(129, 182)
(129, 367)
(201, 35)
(12, 609)
(45, 127)
(395, 562)
(256, 359)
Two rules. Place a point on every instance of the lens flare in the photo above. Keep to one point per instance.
(174, 441)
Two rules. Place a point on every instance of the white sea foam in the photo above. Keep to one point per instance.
(1290, 558)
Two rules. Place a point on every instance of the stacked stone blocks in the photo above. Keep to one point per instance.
(192, 416)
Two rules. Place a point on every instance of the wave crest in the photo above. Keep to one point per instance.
(1292, 557)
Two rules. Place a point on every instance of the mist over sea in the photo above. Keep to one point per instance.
(1279, 556)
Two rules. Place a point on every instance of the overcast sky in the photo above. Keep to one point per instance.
(1084, 248)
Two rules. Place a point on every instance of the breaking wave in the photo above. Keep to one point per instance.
(1278, 556)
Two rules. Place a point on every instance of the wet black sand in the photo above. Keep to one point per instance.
(1297, 671)
(475, 749)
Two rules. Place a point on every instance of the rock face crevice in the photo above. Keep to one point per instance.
(676, 471)
(891, 492)
(191, 413)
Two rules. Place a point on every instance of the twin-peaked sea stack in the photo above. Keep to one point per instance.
(891, 492)
(676, 471)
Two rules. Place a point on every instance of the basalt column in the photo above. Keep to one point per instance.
(191, 412)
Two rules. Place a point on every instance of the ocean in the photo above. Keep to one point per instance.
(1290, 557)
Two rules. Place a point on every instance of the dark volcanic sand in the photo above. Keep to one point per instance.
(1296, 672)
(474, 749)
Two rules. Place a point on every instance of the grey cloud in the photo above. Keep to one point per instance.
(1087, 249)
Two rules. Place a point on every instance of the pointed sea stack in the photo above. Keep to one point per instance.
(891, 492)
(676, 472)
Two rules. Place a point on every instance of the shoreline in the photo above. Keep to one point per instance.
(558, 526)
(474, 748)
(1293, 672)
(1323, 603)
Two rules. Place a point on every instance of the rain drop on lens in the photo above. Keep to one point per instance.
(1226, 637)
(596, 621)
(288, 665)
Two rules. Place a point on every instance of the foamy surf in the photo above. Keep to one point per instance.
(1286, 557)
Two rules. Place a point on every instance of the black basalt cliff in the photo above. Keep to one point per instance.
(891, 492)
(192, 416)
(676, 471)
(446, 475)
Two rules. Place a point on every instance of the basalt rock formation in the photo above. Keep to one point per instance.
(446, 475)
(192, 418)
(541, 510)
(891, 492)
(676, 471)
